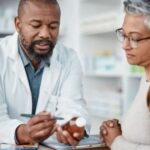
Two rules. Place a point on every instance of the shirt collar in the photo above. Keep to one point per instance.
(26, 60)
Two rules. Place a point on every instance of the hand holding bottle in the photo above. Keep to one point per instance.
(72, 132)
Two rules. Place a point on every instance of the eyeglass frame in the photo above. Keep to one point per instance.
(130, 39)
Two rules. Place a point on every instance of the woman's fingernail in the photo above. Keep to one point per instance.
(104, 132)
(65, 133)
(111, 124)
(59, 129)
(76, 135)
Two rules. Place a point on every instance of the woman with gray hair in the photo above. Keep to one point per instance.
(134, 133)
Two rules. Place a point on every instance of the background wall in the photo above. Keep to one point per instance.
(88, 26)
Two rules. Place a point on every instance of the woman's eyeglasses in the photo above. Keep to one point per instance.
(132, 40)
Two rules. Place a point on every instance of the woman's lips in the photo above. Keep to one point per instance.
(129, 55)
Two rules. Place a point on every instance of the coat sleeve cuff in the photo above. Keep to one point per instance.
(116, 143)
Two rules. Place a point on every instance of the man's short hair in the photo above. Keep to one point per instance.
(23, 2)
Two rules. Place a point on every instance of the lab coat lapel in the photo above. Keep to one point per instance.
(49, 83)
(19, 69)
(16, 63)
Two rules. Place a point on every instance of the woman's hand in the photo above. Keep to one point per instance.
(109, 130)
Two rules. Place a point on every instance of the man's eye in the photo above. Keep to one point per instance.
(53, 28)
(35, 25)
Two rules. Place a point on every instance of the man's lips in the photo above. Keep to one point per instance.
(42, 47)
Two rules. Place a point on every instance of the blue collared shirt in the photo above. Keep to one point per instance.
(34, 76)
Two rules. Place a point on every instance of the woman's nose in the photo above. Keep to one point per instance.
(126, 44)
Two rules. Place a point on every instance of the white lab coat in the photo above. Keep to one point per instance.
(60, 91)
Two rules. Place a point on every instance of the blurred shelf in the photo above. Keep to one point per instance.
(98, 28)
(104, 112)
(112, 74)
(107, 74)
(102, 23)
(135, 75)
(112, 3)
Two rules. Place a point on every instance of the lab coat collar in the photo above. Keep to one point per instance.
(50, 77)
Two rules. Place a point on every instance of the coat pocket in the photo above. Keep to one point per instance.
(52, 104)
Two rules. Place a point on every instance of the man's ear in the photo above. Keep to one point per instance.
(17, 24)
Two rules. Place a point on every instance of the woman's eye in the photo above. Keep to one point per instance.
(134, 39)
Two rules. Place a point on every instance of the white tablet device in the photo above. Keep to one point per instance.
(92, 141)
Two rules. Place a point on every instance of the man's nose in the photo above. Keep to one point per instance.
(44, 33)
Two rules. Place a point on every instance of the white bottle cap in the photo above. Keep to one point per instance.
(80, 122)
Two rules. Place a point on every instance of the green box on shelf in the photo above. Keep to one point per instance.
(136, 69)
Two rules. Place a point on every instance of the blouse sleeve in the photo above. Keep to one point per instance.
(121, 143)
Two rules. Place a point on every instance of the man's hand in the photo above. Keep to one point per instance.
(109, 130)
(37, 129)
(70, 133)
